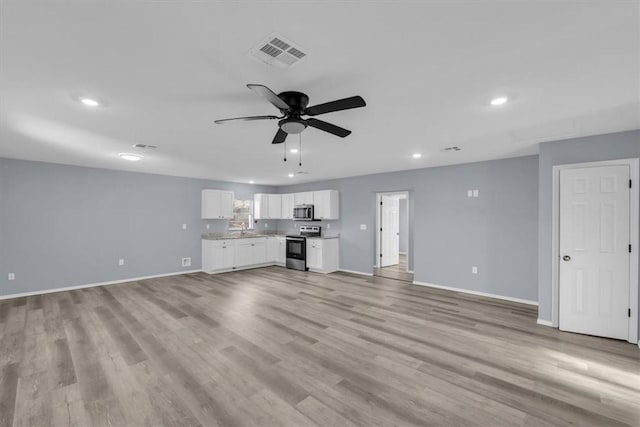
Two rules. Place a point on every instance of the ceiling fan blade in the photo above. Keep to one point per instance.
(269, 95)
(339, 105)
(246, 119)
(328, 127)
(280, 137)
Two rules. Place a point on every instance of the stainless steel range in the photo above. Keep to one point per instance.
(297, 246)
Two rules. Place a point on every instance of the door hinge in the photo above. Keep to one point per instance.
(629, 248)
(380, 202)
(380, 255)
(380, 228)
(629, 312)
(630, 184)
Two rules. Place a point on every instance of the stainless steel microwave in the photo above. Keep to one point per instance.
(303, 213)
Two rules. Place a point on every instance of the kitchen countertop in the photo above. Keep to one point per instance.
(234, 236)
(251, 235)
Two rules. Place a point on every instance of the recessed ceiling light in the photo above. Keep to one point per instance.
(293, 150)
(252, 182)
(132, 157)
(90, 102)
(499, 101)
(290, 175)
(416, 155)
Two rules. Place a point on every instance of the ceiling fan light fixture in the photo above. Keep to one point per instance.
(293, 126)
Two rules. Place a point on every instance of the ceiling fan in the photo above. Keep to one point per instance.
(292, 106)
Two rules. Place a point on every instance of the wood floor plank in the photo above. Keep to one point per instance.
(272, 346)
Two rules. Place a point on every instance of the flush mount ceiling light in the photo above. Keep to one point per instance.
(89, 102)
(252, 182)
(290, 175)
(132, 157)
(416, 155)
(293, 150)
(499, 100)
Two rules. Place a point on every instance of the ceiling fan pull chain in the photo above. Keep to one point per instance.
(300, 148)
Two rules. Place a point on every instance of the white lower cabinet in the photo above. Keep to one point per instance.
(225, 255)
(251, 252)
(276, 250)
(323, 255)
(218, 255)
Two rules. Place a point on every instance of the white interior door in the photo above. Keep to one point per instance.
(594, 250)
(390, 234)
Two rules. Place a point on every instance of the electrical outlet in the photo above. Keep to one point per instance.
(474, 270)
(475, 193)
(11, 276)
(184, 226)
(208, 226)
(469, 193)
(363, 226)
(186, 262)
(328, 225)
(266, 225)
(121, 261)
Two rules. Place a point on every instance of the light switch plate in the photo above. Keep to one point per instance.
(208, 226)
(184, 226)
(469, 193)
(121, 261)
(363, 226)
(11, 276)
(474, 270)
(475, 193)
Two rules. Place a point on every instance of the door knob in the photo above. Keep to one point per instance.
(566, 258)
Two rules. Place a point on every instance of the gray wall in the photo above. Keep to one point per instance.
(589, 149)
(66, 225)
(404, 226)
(497, 232)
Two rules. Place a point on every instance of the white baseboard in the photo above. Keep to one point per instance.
(92, 285)
(402, 253)
(544, 322)
(482, 294)
(362, 273)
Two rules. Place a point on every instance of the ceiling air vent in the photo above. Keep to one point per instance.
(454, 148)
(144, 146)
(277, 51)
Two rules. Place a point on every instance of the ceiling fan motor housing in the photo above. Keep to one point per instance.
(297, 101)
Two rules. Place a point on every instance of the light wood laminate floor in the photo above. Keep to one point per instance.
(396, 271)
(276, 347)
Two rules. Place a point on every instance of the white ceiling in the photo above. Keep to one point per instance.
(427, 70)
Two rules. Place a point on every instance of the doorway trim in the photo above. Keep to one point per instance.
(379, 222)
(634, 216)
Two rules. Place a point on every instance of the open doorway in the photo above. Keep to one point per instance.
(392, 236)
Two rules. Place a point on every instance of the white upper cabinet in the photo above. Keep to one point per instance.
(261, 206)
(288, 202)
(305, 198)
(326, 204)
(267, 206)
(217, 204)
(274, 206)
(280, 206)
